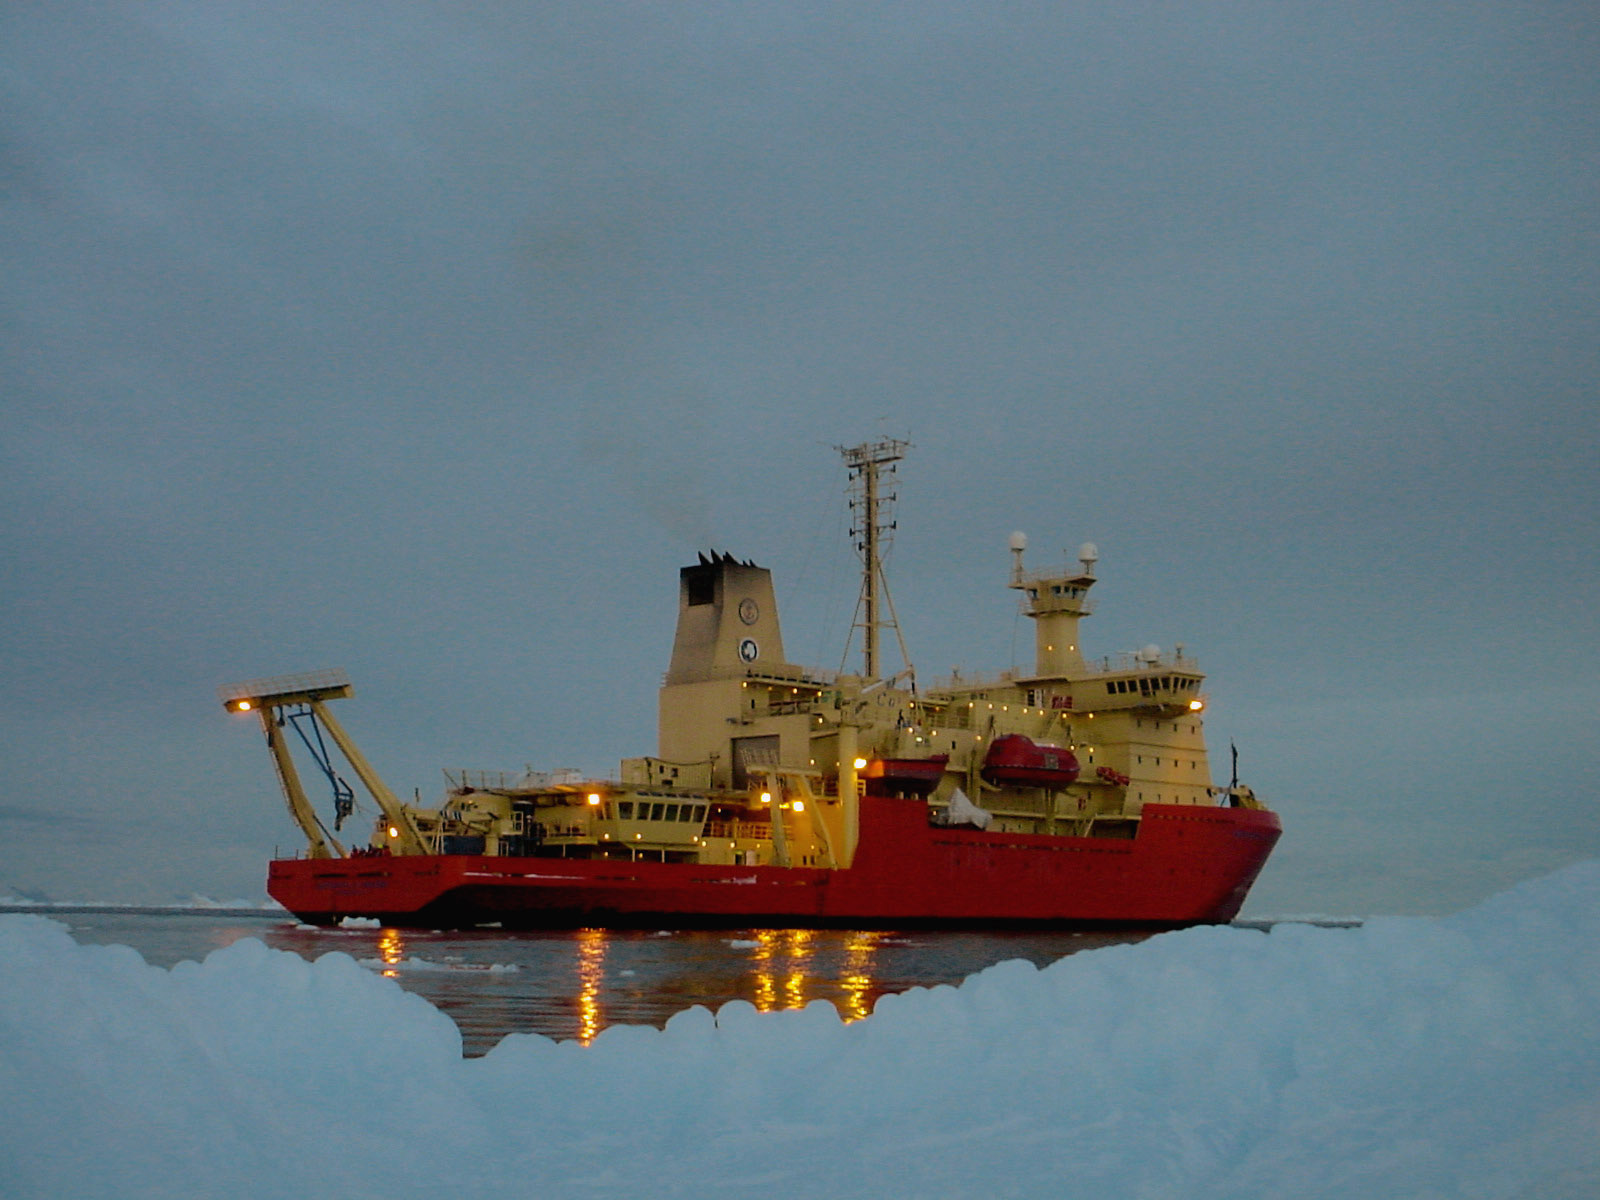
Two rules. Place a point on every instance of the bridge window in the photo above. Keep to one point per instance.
(625, 810)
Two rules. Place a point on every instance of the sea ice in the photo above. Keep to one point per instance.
(1450, 1057)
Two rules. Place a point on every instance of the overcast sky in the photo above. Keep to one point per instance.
(429, 340)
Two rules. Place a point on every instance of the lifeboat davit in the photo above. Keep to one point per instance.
(1022, 762)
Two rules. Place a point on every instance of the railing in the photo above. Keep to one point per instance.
(962, 682)
(787, 674)
(330, 679)
(1130, 660)
(512, 781)
(1122, 663)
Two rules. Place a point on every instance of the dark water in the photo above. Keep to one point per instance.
(572, 984)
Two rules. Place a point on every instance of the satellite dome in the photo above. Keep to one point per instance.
(1088, 553)
(1019, 540)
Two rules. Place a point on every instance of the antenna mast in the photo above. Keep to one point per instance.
(871, 524)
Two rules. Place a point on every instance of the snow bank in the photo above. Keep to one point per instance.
(1455, 1057)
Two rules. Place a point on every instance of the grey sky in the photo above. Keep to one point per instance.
(430, 340)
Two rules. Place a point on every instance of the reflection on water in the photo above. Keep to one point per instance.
(391, 952)
(572, 984)
(855, 982)
(591, 983)
(780, 962)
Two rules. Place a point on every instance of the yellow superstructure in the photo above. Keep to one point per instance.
(760, 761)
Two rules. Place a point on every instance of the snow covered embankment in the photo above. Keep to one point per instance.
(1455, 1057)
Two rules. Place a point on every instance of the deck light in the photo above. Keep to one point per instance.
(241, 706)
(861, 764)
(1196, 705)
(393, 832)
(594, 799)
(766, 797)
(799, 806)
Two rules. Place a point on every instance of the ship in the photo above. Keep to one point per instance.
(1075, 794)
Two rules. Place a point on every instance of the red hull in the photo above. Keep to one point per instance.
(1188, 865)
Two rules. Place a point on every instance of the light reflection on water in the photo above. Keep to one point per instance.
(572, 984)
(778, 961)
(392, 950)
(855, 982)
(591, 983)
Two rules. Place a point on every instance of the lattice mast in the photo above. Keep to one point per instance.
(872, 525)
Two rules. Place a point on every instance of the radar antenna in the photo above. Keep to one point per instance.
(871, 527)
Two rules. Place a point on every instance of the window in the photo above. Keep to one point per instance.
(625, 810)
(671, 813)
(656, 810)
